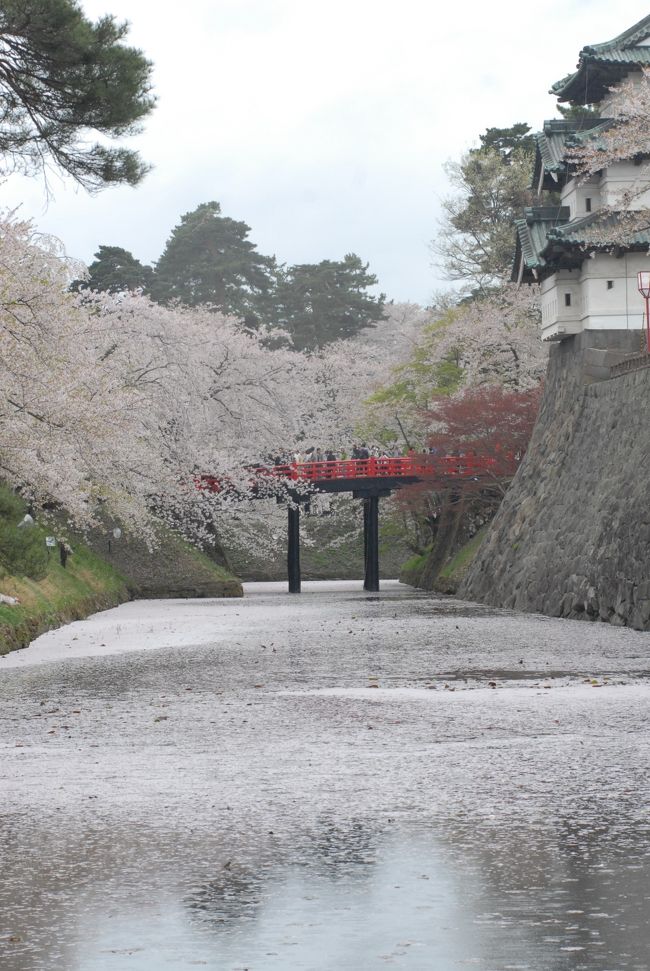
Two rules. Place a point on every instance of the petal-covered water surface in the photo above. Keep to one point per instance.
(327, 781)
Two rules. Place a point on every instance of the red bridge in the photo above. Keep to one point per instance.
(416, 467)
(370, 479)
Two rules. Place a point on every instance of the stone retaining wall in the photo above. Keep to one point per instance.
(572, 536)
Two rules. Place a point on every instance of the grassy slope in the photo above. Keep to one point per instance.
(91, 582)
(455, 569)
(451, 572)
(174, 569)
(86, 585)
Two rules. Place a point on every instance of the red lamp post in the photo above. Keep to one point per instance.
(643, 286)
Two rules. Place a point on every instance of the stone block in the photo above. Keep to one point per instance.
(640, 616)
(643, 591)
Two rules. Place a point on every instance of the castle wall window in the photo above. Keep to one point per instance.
(567, 299)
(588, 204)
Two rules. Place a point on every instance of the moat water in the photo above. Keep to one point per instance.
(331, 781)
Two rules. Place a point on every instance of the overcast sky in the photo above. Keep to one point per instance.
(324, 126)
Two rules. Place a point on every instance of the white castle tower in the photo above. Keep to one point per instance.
(585, 286)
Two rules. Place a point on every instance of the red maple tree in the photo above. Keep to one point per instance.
(489, 421)
(482, 434)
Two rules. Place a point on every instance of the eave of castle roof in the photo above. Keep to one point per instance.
(602, 65)
(532, 237)
(547, 240)
(551, 145)
(577, 232)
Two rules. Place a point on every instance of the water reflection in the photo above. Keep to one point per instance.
(560, 896)
(234, 895)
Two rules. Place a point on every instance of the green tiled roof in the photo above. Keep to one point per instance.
(532, 237)
(602, 65)
(576, 232)
(632, 55)
(591, 134)
(551, 144)
(547, 240)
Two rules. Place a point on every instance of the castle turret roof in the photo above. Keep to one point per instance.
(602, 65)
(548, 240)
(532, 238)
(551, 143)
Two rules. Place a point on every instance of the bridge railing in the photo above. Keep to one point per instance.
(436, 468)
(423, 465)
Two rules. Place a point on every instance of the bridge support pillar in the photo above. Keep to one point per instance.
(371, 542)
(293, 549)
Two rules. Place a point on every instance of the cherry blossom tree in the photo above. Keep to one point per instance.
(111, 401)
(495, 339)
(489, 340)
(331, 386)
(63, 416)
(349, 372)
(393, 338)
(96, 391)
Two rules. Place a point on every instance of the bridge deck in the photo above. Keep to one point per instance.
(381, 474)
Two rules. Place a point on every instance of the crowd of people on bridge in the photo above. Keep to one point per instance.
(357, 451)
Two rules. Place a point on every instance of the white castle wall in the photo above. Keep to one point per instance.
(603, 296)
(621, 178)
(581, 197)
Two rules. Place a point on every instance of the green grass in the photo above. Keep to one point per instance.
(50, 596)
(459, 563)
(87, 584)
(411, 571)
(451, 573)
(216, 569)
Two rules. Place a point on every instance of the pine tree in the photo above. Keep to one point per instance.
(318, 303)
(114, 270)
(209, 259)
(63, 78)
